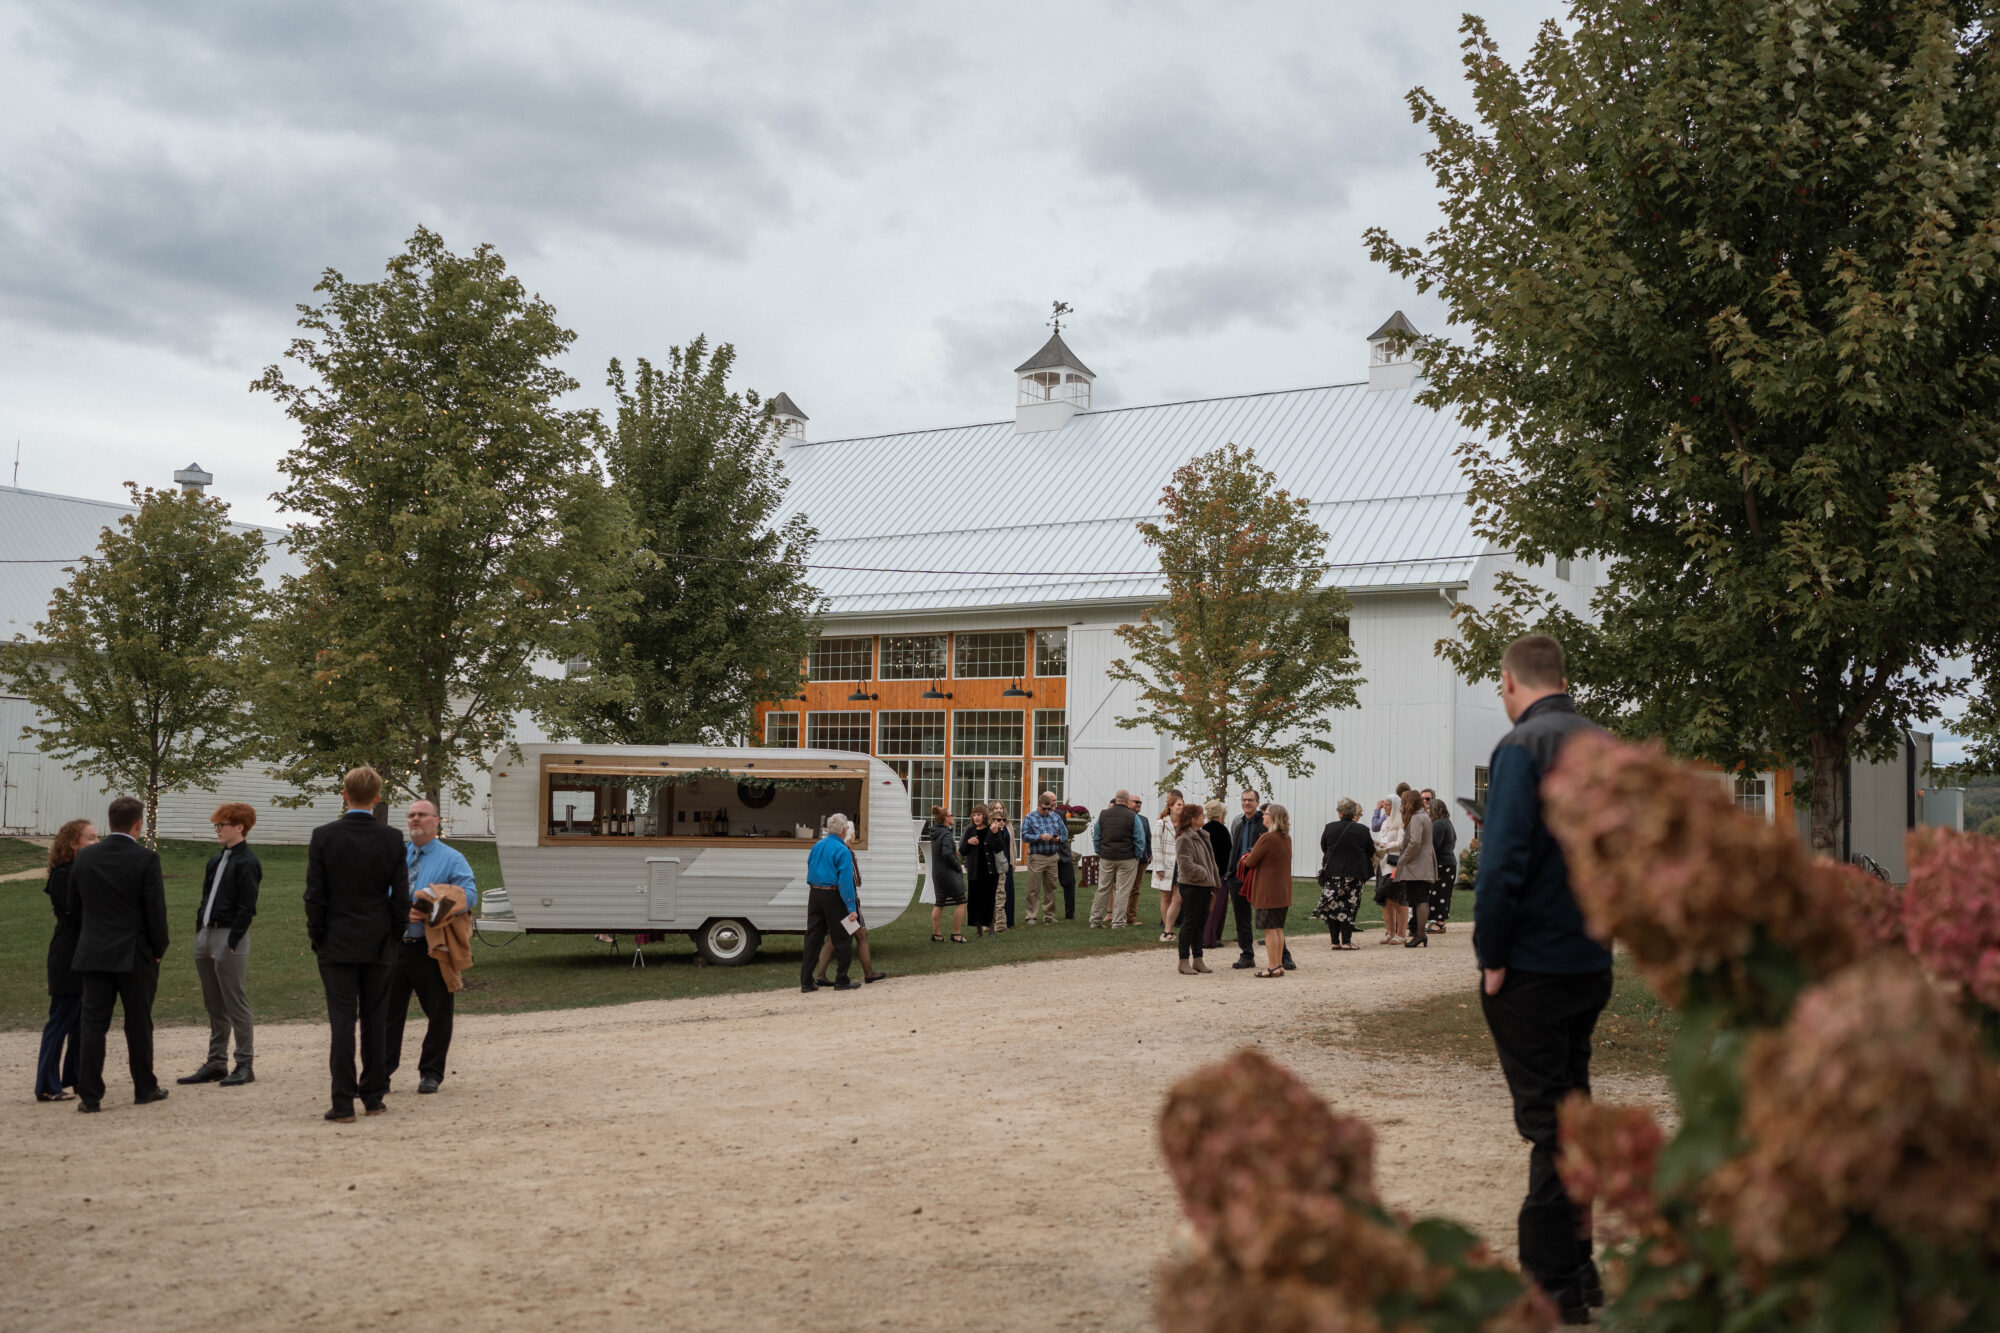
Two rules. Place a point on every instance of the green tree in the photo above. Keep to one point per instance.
(723, 612)
(135, 668)
(1980, 726)
(1725, 278)
(1248, 654)
(458, 539)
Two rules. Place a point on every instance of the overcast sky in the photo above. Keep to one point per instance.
(874, 202)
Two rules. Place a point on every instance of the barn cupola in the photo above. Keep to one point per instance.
(790, 421)
(1392, 354)
(1053, 385)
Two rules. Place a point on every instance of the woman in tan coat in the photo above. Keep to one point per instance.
(1269, 870)
(1416, 866)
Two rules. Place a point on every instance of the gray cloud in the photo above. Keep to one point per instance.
(1284, 140)
(238, 148)
(872, 201)
(1269, 290)
(979, 346)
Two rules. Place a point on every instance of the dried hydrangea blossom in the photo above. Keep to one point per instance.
(1246, 1123)
(1285, 1230)
(1609, 1154)
(1875, 906)
(1951, 912)
(1662, 861)
(1874, 1100)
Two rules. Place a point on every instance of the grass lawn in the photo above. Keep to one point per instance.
(1632, 1037)
(523, 972)
(16, 854)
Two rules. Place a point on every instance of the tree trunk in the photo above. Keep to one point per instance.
(153, 809)
(1829, 782)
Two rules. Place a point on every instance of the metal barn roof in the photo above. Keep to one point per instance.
(999, 519)
(42, 536)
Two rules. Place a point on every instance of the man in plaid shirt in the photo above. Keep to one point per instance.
(1044, 832)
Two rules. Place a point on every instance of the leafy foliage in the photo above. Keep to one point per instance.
(1248, 654)
(723, 614)
(458, 536)
(134, 670)
(1728, 274)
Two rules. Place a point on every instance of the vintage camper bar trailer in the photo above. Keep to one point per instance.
(707, 840)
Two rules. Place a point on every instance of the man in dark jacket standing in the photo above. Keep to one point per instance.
(1244, 830)
(357, 903)
(120, 898)
(229, 887)
(1544, 981)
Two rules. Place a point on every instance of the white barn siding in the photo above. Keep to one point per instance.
(1402, 730)
(38, 795)
(1104, 756)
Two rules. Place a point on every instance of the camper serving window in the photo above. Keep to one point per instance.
(587, 800)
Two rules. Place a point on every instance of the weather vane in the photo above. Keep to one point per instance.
(1061, 308)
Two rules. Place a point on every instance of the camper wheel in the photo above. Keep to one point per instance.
(727, 942)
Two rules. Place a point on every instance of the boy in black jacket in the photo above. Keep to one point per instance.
(1544, 981)
(222, 946)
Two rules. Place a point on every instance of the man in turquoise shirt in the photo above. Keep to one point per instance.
(416, 972)
(830, 903)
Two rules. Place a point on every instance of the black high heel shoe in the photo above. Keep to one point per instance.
(1418, 941)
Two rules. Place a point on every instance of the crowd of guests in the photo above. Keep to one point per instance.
(378, 945)
(1408, 850)
(1211, 877)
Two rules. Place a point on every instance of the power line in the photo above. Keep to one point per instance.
(1094, 573)
(966, 573)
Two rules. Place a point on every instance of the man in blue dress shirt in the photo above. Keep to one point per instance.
(830, 902)
(416, 972)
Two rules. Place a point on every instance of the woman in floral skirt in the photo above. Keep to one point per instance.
(1444, 838)
(1346, 863)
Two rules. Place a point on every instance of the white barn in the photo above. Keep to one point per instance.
(41, 535)
(1052, 553)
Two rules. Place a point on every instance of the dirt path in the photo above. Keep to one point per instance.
(973, 1150)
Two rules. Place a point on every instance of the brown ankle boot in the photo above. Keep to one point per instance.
(1187, 968)
(1200, 966)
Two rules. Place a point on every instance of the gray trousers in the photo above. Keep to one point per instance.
(223, 975)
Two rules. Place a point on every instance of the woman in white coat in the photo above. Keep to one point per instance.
(1388, 894)
(1164, 860)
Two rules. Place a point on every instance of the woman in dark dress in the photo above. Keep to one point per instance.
(982, 877)
(56, 1069)
(1346, 862)
(1221, 844)
(947, 878)
(1444, 837)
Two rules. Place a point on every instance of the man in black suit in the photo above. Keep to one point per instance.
(120, 898)
(357, 903)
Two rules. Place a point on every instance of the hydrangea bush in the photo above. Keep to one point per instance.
(1837, 1164)
(1285, 1232)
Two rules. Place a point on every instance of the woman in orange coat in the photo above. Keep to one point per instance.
(1268, 869)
